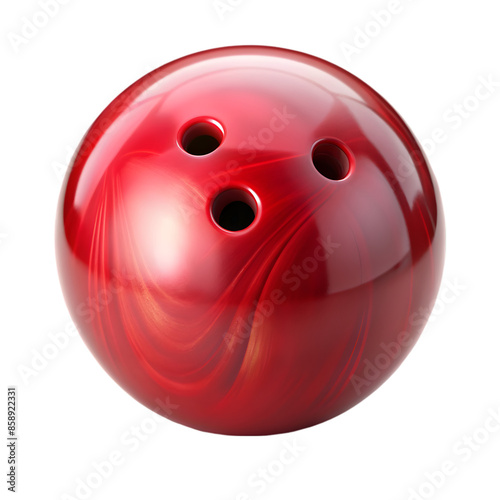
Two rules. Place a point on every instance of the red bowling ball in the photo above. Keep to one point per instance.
(246, 240)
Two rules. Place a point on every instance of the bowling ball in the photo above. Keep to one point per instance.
(246, 239)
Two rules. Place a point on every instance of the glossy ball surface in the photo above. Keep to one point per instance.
(246, 240)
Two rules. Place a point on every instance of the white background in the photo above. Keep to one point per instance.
(427, 61)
